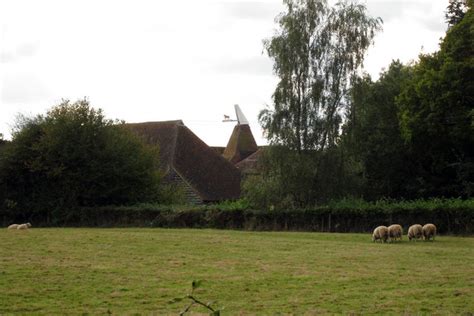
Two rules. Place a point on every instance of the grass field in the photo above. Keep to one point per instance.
(139, 271)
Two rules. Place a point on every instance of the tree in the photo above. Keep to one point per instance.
(75, 157)
(315, 52)
(372, 133)
(455, 11)
(436, 115)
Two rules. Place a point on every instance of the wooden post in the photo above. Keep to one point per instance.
(329, 223)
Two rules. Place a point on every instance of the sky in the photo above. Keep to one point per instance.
(156, 60)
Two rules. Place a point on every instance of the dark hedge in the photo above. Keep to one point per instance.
(455, 219)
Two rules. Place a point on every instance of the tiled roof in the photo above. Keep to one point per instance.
(241, 144)
(212, 176)
(250, 164)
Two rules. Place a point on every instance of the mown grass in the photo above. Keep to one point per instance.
(128, 271)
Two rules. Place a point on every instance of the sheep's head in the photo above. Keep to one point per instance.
(28, 224)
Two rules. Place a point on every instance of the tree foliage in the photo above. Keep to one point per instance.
(287, 179)
(455, 11)
(315, 52)
(412, 130)
(437, 114)
(72, 157)
(408, 135)
(373, 134)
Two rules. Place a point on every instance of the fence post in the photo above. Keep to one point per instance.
(329, 223)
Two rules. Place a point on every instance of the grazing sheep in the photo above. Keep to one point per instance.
(429, 231)
(24, 226)
(395, 232)
(380, 233)
(13, 226)
(415, 232)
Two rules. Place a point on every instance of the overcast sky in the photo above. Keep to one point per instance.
(165, 60)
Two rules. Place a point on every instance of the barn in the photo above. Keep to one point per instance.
(207, 174)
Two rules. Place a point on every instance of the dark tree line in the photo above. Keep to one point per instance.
(337, 134)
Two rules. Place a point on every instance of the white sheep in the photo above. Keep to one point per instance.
(13, 226)
(24, 226)
(395, 232)
(380, 233)
(415, 232)
(429, 231)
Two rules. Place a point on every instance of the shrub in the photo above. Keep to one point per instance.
(450, 216)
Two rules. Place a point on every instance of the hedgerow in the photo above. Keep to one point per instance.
(452, 216)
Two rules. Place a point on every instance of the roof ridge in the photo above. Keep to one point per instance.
(177, 122)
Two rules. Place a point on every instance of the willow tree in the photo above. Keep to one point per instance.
(315, 52)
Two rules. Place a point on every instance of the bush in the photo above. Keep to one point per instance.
(450, 216)
(287, 180)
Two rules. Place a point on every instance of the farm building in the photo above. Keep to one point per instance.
(242, 150)
(241, 144)
(206, 174)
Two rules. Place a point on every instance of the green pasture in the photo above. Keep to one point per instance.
(139, 271)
